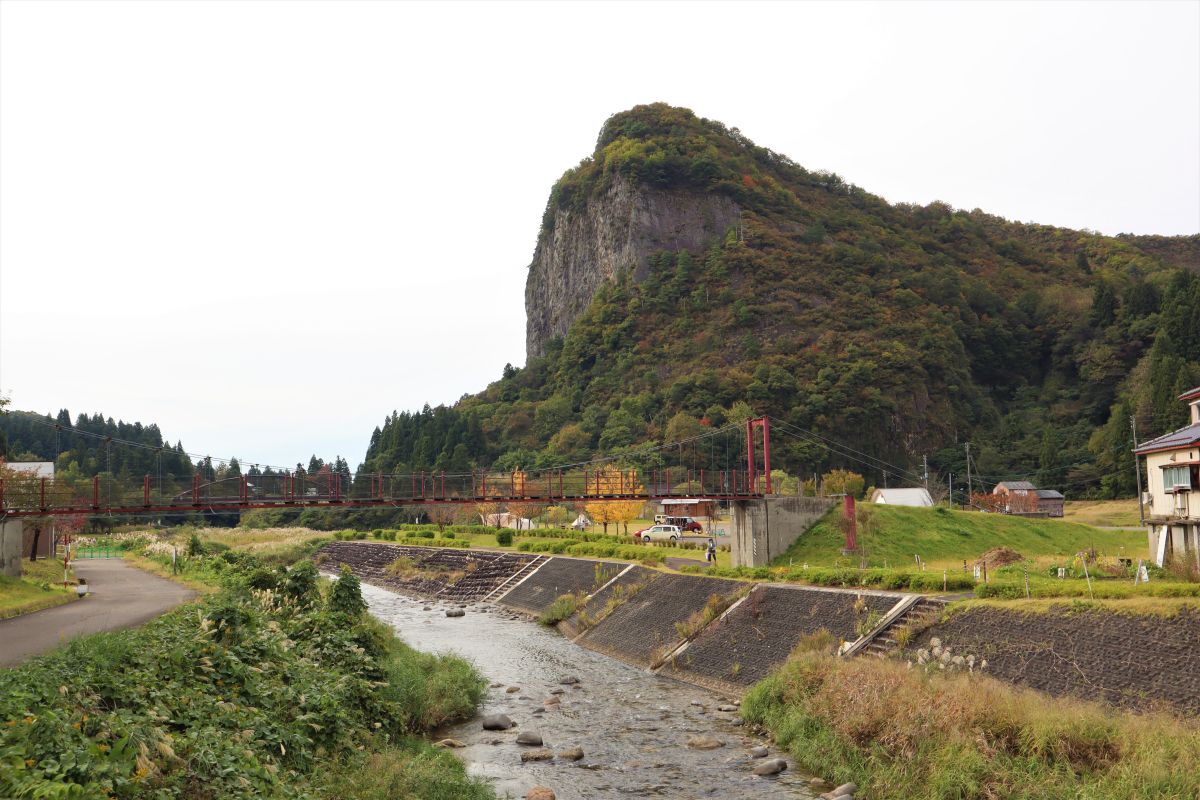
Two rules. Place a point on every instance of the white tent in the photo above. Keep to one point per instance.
(902, 497)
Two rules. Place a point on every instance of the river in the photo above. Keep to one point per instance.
(632, 725)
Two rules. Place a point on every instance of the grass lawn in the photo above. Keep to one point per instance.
(945, 538)
(1104, 513)
(40, 586)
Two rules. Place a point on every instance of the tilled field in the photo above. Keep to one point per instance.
(1126, 660)
(444, 573)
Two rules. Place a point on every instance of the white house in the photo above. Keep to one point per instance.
(1173, 488)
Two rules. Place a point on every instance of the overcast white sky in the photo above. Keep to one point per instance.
(266, 225)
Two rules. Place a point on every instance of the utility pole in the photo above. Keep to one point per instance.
(925, 468)
(968, 500)
(951, 479)
(1137, 470)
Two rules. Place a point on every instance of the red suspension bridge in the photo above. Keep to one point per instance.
(677, 470)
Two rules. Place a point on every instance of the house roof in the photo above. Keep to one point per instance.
(1176, 440)
(902, 497)
(1191, 394)
(1017, 486)
(1049, 494)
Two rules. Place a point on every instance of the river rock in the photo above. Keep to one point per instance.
(451, 743)
(704, 742)
(540, 793)
(568, 681)
(551, 701)
(539, 710)
(818, 783)
(850, 789)
(497, 685)
(771, 767)
(727, 707)
(536, 755)
(557, 691)
(529, 738)
(512, 690)
(455, 612)
(758, 751)
(935, 642)
(571, 754)
(497, 722)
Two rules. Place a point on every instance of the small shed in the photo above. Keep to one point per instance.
(1050, 502)
(917, 497)
(689, 507)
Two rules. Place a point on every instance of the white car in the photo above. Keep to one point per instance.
(661, 533)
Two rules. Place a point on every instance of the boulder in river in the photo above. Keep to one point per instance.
(540, 793)
(497, 722)
(455, 612)
(536, 755)
(568, 681)
(529, 738)
(728, 707)
(850, 789)
(451, 743)
(772, 767)
(758, 751)
(704, 742)
(571, 754)
(512, 689)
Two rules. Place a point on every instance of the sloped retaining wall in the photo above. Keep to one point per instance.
(1126, 660)
(755, 637)
(643, 627)
(556, 577)
(476, 573)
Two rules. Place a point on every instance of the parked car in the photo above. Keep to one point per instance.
(685, 524)
(660, 533)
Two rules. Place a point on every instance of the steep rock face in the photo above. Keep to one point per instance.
(618, 229)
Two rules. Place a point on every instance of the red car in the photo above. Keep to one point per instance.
(685, 524)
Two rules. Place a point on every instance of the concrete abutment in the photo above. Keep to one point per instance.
(764, 529)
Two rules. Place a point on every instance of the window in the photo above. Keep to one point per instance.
(1177, 478)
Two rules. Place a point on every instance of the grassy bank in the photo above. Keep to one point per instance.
(893, 535)
(900, 732)
(1104, 513)
(266, 688)
(39, 587)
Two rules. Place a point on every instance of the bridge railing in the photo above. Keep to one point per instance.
(33, 496)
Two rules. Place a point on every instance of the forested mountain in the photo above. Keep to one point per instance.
(133, 452)
(684, 276)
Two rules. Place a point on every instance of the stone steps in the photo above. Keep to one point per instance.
(923, 613)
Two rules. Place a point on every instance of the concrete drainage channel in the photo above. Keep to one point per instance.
(640, 625)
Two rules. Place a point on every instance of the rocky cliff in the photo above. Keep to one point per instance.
(616, 230)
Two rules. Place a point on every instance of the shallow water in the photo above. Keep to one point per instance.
(631, 725)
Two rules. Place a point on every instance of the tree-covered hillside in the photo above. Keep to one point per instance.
(896, 330)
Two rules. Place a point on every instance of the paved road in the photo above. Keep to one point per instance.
(122, 596)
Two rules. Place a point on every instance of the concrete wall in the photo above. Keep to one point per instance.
(559, 576)
(12, 538)
(764, 529)
(1123, 659)
(757, 635)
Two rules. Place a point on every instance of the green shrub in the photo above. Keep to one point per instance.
(346, 595)
(301, 583)
(563, 607)
(504, 538)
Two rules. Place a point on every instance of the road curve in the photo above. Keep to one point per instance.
(122, 596)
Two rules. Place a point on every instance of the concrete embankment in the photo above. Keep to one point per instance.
(1135, 661)
(652, 619)
(631, 613)
(559, 576)
(757, 634)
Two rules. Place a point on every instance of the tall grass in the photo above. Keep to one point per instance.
(260, 690)
(905, 733)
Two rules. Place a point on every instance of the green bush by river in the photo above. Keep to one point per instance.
(263, 689)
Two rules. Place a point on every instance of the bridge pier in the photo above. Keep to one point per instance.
(12, 541)
(764, 529)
